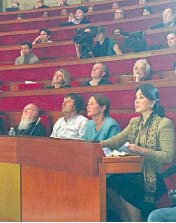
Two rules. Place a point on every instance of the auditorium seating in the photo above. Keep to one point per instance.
(160, 60)
(67, 49)
(15, 94)
(54, 11)
(97, 16)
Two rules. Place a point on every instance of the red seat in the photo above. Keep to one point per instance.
(123, 118)
(31, 86)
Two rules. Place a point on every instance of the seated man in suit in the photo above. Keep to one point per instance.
(39, 4)
(72, 124)
(168, 19)
(30, 122)
(99, 75)
(26, 57)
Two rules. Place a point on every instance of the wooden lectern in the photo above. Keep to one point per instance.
(56, 179)
(59, 178)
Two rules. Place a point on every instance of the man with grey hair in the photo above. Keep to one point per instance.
(168, 19)
(30, 124)
(141, 70)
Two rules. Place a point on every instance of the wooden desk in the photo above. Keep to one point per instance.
(127, 164)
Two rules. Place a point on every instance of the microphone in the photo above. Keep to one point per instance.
(37, 122)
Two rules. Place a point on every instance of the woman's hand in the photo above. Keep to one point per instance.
(136, 149)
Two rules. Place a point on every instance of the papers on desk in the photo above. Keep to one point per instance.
(122, 151)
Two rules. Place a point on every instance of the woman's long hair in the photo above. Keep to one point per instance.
(152, 93)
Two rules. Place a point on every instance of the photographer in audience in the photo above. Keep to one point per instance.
(30, 124)
(83, 40)
(104, 46)
(27, 57)
(102, 126)
(44, 37)
(99, 75)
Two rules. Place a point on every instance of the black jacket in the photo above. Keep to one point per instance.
(33, 130)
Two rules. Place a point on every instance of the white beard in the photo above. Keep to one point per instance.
(24, 123)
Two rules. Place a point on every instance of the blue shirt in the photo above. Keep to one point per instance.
(108, 129)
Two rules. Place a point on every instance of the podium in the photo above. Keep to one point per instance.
(58, 178)
(55, 179)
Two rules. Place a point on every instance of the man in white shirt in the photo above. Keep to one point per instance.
(72, 124)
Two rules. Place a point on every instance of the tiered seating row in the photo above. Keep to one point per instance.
(54, 11)
(160, 60)
(98, 16)
(67, 48)
(65, 33)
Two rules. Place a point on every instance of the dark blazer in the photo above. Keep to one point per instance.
(1, 127)
(32, 130)
(162, 25)
(101, 82)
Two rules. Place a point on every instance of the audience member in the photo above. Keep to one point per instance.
(61, 79)
(15, 4)
(79, 17)
(64, 12)
(152, 137)
(99, 75)
(63, 3)
(90, 9)
(147, 10)
(44, 37)
(168, 19)
(39, 4)
(141, 70)
(45, 14)
(102, 126)
(72, 124)
(27, 57)
(175, 68)
(105, 46)
(115, 5)
(20, 17)
(119, 14)
(30, 124)
(171, 39)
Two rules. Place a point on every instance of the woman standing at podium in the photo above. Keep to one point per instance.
(150, 136)
(102, 126)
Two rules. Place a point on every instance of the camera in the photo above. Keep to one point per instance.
(134, 42)
(85, 41)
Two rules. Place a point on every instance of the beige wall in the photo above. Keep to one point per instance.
(29, 4)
